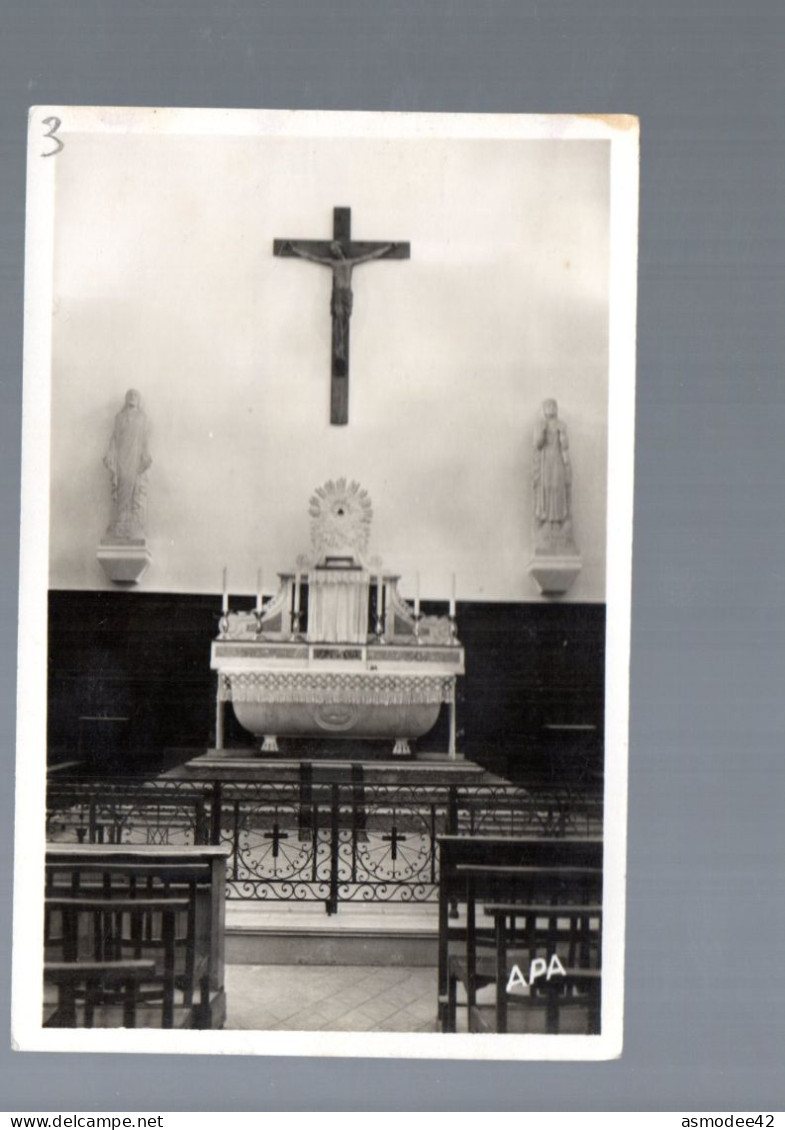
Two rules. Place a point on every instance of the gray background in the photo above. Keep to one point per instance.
(706, 913)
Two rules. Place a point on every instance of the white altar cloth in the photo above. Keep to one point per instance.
(338, 605)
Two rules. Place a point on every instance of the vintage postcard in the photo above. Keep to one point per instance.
(326, 570)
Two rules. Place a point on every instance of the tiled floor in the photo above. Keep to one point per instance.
(336, 998)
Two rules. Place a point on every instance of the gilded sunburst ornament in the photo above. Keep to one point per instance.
(341, 515)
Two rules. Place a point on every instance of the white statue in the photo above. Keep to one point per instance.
(128, 460)
(552, 482)
(552, 472)
(556, 561)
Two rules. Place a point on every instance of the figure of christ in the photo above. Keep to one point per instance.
(341, 254)
(342, 297)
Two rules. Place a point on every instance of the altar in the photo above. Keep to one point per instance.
(337, 652)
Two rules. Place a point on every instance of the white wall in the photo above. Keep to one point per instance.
(165, 281)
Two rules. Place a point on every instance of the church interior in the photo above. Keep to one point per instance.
(326, 614)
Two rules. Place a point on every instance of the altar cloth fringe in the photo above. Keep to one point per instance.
(360, 690)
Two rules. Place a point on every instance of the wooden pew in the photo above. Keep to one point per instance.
(105, 812)
(111, 930)
(196, 874)
(519, 869)
(553, 887)
(523, 933)
(81, 987)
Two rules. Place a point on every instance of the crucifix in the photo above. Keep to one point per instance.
(341, 254)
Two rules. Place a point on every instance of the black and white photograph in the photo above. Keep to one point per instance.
(328, 434)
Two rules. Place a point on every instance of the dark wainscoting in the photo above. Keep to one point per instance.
(129, 678)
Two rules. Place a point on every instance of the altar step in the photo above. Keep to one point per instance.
(249, 765)
(363, 934)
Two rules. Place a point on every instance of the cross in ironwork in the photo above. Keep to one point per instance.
(341, 254)
(276, 836)
(394, 839)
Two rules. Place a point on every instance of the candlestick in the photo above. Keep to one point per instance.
(417, 594)
(225, 598)
(379, 610)
(452, 597)
(259, 597)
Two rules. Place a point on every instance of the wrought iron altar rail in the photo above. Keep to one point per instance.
(302, 840)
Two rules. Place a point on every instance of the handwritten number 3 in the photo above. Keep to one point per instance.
(54, 125)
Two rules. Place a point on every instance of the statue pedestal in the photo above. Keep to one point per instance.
(124, 561)
(554, 573)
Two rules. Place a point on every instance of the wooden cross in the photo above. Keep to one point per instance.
(341, 254)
